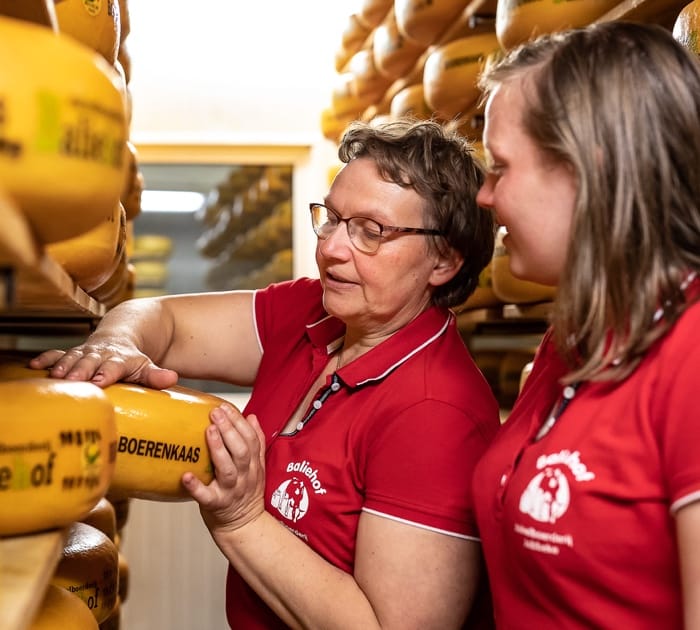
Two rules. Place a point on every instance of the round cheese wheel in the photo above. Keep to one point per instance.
(62, 610)
(103, 517)
(353, 37)
(508, 288)
(94, 24)
(410, 100)
(161, 435)
(57, 452)
(64, 125)
(91, 258)
(332, 125)
(132, 189)
(89, 568)
(484, 296)
(368, 84)
(451, 72)
(372, 12)
(518, 21)
(686, 28)
(115, 283)
(394, 55)
(424, 22)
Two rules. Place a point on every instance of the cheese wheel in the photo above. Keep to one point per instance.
(332, 125)
(103, 517)
(451, 71)
(89, 568)
(410, 100)
(484, 296)
(91, 258)
(95, 24)
(394, 54)
(62, 610)
(123, 578)
(161, 435)
(372, 12)
(115, 283)
(152, 247)
(425, 22)
(686, 28)
(114, 620)
(132, 190)
(64, 125)
(368, 83)
(517, 21)
(508, 288)
(57, 452)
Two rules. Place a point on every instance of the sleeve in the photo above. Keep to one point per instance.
(281, 308)
(419, 468)
(677, 414)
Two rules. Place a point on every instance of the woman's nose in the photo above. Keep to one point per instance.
(337, 242)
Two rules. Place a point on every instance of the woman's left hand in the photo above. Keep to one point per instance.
(236, 495)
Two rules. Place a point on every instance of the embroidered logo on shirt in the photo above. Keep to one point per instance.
(548, 494)
(291, 498)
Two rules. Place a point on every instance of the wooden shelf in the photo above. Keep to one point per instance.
(26, 566)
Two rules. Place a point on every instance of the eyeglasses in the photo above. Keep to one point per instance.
(365, 234)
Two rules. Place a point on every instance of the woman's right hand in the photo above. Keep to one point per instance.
(103, 362)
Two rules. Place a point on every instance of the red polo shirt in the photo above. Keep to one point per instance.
(398, 434)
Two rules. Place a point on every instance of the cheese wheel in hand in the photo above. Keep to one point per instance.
(89, 568)
(63, 130)
(518, 21)
(161, 435)
(57, 452)
(94, 24)
(62, 610)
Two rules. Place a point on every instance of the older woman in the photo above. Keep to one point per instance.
(342, 499)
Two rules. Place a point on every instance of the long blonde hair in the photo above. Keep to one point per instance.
(620, 103)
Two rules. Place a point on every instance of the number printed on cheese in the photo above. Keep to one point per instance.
(63, 125)
(89, 568)
(161, 436)
(57, 452)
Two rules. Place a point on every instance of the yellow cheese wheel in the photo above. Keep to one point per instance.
(686, 28)
(425, 22)
(123, 578)
(451, 72)
(94, 23)
(508, 288)
(345, 102)
(332, 125)
(410, 100)
(115, 283)
(132, 191)
(372, 12)
(57, 452)
(62, 610)
(91, 258)
(161, 436)
(103, 517)
(394, 55)
(152, 247)
(484, 296)
(89, 568)
(114, 620)
(520, 20)
(368, 84)
(64, 125)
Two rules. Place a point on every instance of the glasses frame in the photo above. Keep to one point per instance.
(384, 230)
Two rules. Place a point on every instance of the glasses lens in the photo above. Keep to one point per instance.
(365, 234)
(322, 220)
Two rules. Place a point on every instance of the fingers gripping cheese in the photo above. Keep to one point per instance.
(89, 568)
(57, 452)
(62, 124)
(161, 436)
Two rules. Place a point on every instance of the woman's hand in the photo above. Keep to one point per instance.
(236, 495)
(103, 362)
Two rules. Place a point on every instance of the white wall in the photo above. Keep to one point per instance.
(221, 71)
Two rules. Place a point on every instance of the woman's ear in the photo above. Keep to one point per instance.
(446, 267)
